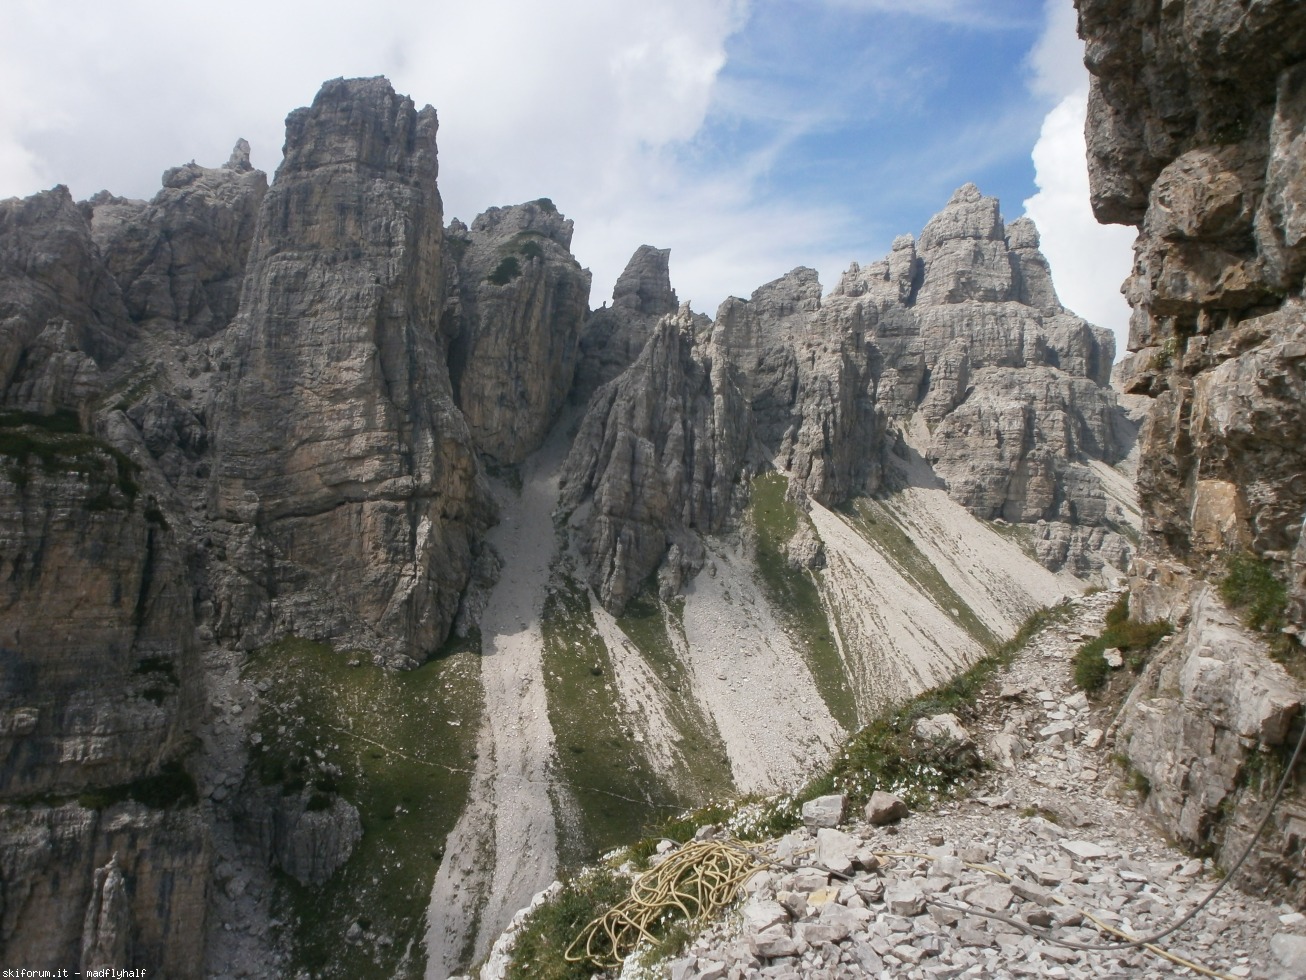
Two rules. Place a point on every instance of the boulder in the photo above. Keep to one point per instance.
(883, 808)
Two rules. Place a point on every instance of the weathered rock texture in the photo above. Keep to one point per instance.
(614, 335)
(229, 415)
(957, 346)
(1196, 129)
(521, 301)
(99, 686)
(345, 468)
(124, 887)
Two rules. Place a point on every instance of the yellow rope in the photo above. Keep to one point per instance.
(699, 879)
(702, 877)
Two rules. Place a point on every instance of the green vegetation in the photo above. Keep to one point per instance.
(130, 389)
(1051, 816)
(793, 593)
(457, 247)
(609, 773)
(1133, 639)
(546, 205)
(1165, 354)
(1252, 589)
(538, 954)
(400, 746)
(57, 444)
(648, 622)
(1133, 778)
(883, 755)
(172, 786)
(876, 522)
(505, 272)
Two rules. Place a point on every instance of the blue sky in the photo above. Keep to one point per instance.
(749, 136)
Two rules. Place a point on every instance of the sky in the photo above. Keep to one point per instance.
(748, 136)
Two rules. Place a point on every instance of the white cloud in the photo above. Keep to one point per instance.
(1089, 261)
(605, 106)
(593, 103)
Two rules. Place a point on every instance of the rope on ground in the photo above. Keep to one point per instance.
(699, 879)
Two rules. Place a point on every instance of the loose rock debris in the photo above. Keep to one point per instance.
(1050, 848)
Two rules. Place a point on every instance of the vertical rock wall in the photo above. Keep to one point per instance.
(1196, 131)
(958, 345)
(521, 300)
(346, 471)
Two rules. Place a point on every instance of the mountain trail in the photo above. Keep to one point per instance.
(1012, 880)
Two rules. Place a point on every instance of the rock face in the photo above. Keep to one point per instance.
(239, 413)
(521, 301)
(655, 456)
(62, 316)
(344, 466)
(1201, 150)
(125, 887)
(956, 350)
(181, 258)
(99, 686)
(614, 335)
(229, 415)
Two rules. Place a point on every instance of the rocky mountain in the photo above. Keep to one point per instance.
(1201, 151)
(352, 564)
(958, 351)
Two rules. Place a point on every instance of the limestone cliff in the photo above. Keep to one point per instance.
(229, 415)
(520, 303)
(1196, 129)
(956, 350)
(239, 414)
(345, 471)
(614, 335)
(181, 257)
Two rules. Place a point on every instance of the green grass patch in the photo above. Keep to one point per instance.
(543, 940)
(1133, 639)
(1251, 588)
(400, 746)
(57, 444)
(648, 621)
(794, 595)
(608, 772)
(876, 522)
(506, 271)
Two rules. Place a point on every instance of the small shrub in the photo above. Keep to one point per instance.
(171, 787)
(546, 205)
(1132, 638)
(1090, 668)
(1252, 589)
(318, 802)
(457, 247)
(505, 272)
(538, 953)
(531, 249)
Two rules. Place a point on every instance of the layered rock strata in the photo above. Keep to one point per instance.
(1201, 150)
(344, 468)
(954, 348)
(614, 335)
(521, 301)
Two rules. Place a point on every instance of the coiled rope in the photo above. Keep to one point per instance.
(699, 879)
